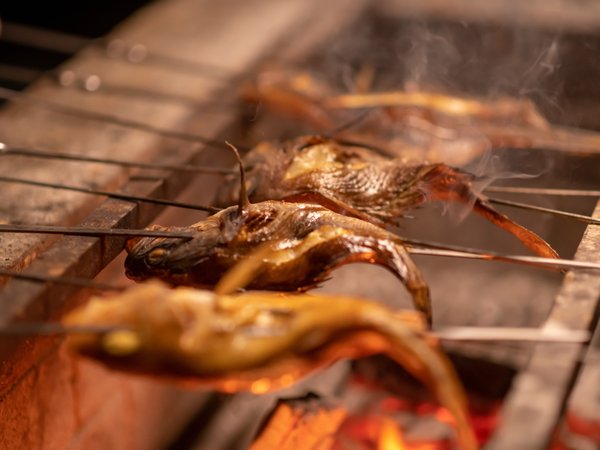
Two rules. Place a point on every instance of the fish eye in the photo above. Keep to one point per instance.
(156, 255)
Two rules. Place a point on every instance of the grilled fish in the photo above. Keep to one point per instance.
(258, 341)
(354, 180)
(306, 242)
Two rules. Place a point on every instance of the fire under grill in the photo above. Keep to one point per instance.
(164, 85)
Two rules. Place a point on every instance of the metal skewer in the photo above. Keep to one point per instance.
(71, 281)
(54, 329)
(479, 334)
(415, 247)
(136, 54)
(10, 150)
(536, 261)
(556, 212)
(126, 197)
(93, 83)
(95, 232)
(543, 191)
(493, 334)
(17, 96)
(420, 247)
(18, 74)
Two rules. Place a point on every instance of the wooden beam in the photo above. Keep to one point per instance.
(536, 401)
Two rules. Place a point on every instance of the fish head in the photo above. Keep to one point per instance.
(173, 258)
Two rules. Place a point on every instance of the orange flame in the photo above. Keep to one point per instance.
(390, 436)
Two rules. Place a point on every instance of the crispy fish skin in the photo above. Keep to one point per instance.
(308, 241)
(258, 341)
(358, 182)
(351, 177)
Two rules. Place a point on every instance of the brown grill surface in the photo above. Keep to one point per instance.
(75, 404)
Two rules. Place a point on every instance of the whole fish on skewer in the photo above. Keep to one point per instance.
(257, 341)
(356, 181)
(295, 247)
(419, 125)
(306, 242)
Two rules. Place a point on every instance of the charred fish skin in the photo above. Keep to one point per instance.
(276, 170)
(355, 181)
(354, 176)
(308, 243)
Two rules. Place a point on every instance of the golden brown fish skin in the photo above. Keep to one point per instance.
(258, 341)
(349, 178)
(358, 182)
(309, 242)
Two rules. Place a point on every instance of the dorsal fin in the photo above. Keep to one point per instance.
(243, 200)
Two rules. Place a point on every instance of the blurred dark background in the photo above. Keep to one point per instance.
(89, 19)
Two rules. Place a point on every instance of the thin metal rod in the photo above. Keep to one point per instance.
(53, 329)
(93, 83)
(543, 191)
(96, 232)
(432, 249)
(556, 212)
(129, 198)
(71, 281)
(493, 334)
(29, 36)
(479, 334)
(133, 53)
(536, 261)
(17, 96)
(140, 54)
(9, 150)
(18, 74)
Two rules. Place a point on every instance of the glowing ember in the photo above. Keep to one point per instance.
(299, 426)
(384, 422)
(376, 432)
(260, 386)
(390, 436)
